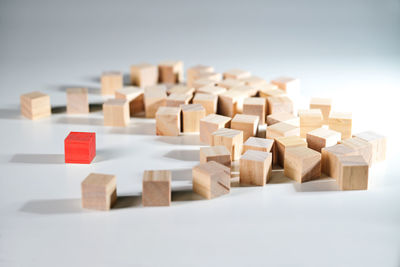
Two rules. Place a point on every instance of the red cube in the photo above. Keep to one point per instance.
(80, 147)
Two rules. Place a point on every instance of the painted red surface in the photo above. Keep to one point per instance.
(80, 147)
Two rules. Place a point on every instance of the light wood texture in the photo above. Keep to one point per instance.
(194, 72)
(246, 123)
(259, 144)
(321, 137)
(175, 100)
(210, 124)
(302, 164)
(329, 158)
(156, 188)
(236, 74)
(255, 106)
(135, 96)
(230, 83)
(211, 179)
(288, 118)
(310, 119)
(208, 101)
(282, 129)
(77, 101)
(212, 89)
(255, 167)
(191, 116)
(170, 72)
(231, 102)
(116, 112)
(181, 89)
(110, 82)
(341, 122)
(247, 90)
(254, 81)
(215, 153)
(99, 191)
(268, 90)
(35, 105)
(231, 139)
(290, 85)
(378, 143)
(168, 121)
(144, 75)
(214, 76)
(282, 143)
(353, 173)
(279, 104)
(324, 104)
(154, 97)
(198, 83)
(364, 148)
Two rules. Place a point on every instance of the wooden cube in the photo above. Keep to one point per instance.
(310, 119)
(288, 118)
(259, 144)
(176, 100)
(230, 83)
(215, 153)
(35, 105)
(282, 129)
(231, 102)
(283, 143)
(321, 137)
(231, 139)
(247, 90)
(168, 121)
(99, 191)
(211, 179)
(255, 106)
(135, 96)
(198, 83)
(181, 89)
(191, 116)
(214, 76)
(154, 97)
(290, 85)
(364, 148)
(194, 72)
(77, 101)
(208, 101)
(378, 143)
(341, 122)
(156, 188)
(330, 161)
(170, 72)
(353, 173)
(255, 167)
(144, 75)
(111, 81)
(279, 104)
(116, 112)
(211, 89)
(268, 90)
(236, 74)
(246, 123)
(324, 104)
(254, 81)
(302, 164)
(210, 124)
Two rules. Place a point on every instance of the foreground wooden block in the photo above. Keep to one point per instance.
(168, 121)
(325, 105)
(378, 143)
(80, 147)
(99, 191)
(279, 104)
(176, 100)
(282, 129)
(144, 75)
(230, 83)
(255, 106)
(310, 119)
(191, 116)
(283, 143)
(35, 105)
(364, 148)
(353, 173)
(208, 101)
(211, 89)
(170, 72)
(211, 179)
(181, 89)
(215, 153)
(210, 124)
(135, 96)
(116, 112)
(246, 123)
(110, 82)
(156, 188)
(341, 122)
(259, 144)
(330, 161)
(231, 102)
(288, 118)
(231, 139)
(321, 137)
(302, 164)
(195, 72)
(236, 74)
(255, 167)
(77, 101)
(290, 85)
(154, 97)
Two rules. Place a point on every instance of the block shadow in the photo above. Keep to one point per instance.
(11, 114)
(124, 202)
(135, 128)
(53, 206)
(324, 184)
(38, 158)
(185, 155)
(193, 140)
(80, 120)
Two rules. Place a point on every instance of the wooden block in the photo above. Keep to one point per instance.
(116, 112)
(255, 167)
(135, 96)
(170, 72)
(259, 144)
(77, 101)
(282, 129)
(246, 90)
(231, 139)
(378, 143)
(288, 118)
(154, 97)
(144, 75)
(191, 116)
(35, 105)
(321, 137)
(283, 143)
(246, 123)
(176, 100)
(202, 83)
(353, 173)
(290, 85)
(208, 101)
(194, 72)
(168, 121)
(279, 104)
(211, 179)
(99, 191)
(230, 83)
(236, 74)
(310, 119)
(254, 81)
(214, 76)
(255, 106)
(329, 158)
(341, 122)
(324, 104)
(302, 164)
(210, 124)
(268, 90)
(156, 188)
(364, 148)
(231, 102)
(110, 82)
(212, 90)
(215, 153)
(181, 89)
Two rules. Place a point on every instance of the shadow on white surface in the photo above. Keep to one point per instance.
(193, 140)
(124, 202)
(53, 206)
(38, 158)
(185, 195)
(181, 175)
(277, 177)
(185, 155)
(80, 121)
(320, 185)
(105, 154)
(10, 114)
(136, 128)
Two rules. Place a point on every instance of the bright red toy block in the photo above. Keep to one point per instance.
(80, 147)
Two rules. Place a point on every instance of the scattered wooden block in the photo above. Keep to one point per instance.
(181, 89)
(255, 106)
(116, 112)
(310, 119)
(288, 118)
(170, 72)
(341, 122)
(135, 96)
(302, 164)
(77, 101)
(246, 123)
(110, 82)
(231, 102)
(231, 139)
(329, 158)
(321, 137)
(259, 144)
(279, 104)
(353, 173)
(191, 116)
(268, 90)
(154, 97)
(255, 167)
(211, 179)
(194, 72)
(35, 105)
(254, 81)
(168, 121)
(156, 188)
(230, 83)
(283, 143)
(212, 90)
(176, 100)
(214, 76)
(364, 148)
(144, 75)
(378, 143)
(324, 104)
(282, 129)
(210, 124)
(247, 90)
(99, 191)
(198, 83)
(290, 85)
(80, 147)
(215, 153)
(208, 101)
(236, 74)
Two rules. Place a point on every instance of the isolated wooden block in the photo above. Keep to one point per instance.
(255, 167)
(144, 75)
(321, 137)
(324, 104)
(211, 179)
(231, 102)
(210, 124)
(353, 173)
(116, 112)
(176, 100)
(247, 90)
(259, 144)
(231, 139)
(154, 97)
(110, 82)
(230, 83)
(209, 102)
(341, 122)
(255, 106)
(290, 85)
(302, 164)
(310, 119)
(212, 90)
(288, 118)
(168, 121)
(135, 96)
(156, 188)
(378, 143)
(191, 116)
(181, 89)
(329, 158)
(99, 191)
(282, 143)
(77, 101)
(254, 81)
(364, 148)
(282, 129)
(198, 83)
(236, 74)
(246, 123)
(35, 105)
(279, 104)
(215, 153)
(194, 72)
(170, 72)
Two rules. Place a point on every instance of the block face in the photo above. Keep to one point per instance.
(236, 74)
(254, 81)
(259, 144)
(195, 72)
(154, 97)
(255, 106)
(310, 119)
(283, 117)
(247, 90)
(211, 179)
(144, 75)
(80, 147)
(282, 129)
(208, 101)
(35, 105)
(288, 84)
(191, 116)
(341, 122)
(170, 72)
(329, 158)
(134, 95)
(211, 90)
(215, 153)
(268, 90)
(230, 83)
(255, 167)
(210, 124)
(176, 100)
(231, 139)
(168, 121)
(199, 83)
(378, 143)
(231, 102)
(364, 148)
(282, 143)
(302, 164)
(77, 101)
(246, 123)
(279, 104)
(110, 82)
(99, 191)
(321, 137)
(325, 105)
(156, 188)
(181, 90)
(116, 112)
(353, 173)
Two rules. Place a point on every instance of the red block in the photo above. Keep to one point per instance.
(80, 147)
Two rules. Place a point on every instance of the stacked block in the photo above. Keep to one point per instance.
(135, 96)
(259, 144)
(231, 139)
(255, 106)
(154, 97)
(80, 147)
(210, 124)
(310, 119)
(246, 123)
(77, 101)
(144, 75)
(302, 164)
(211, 179)
(341, 122)
(215, 153)
(156, 188)
(170, 72)
(255, 167)
(99, 191)
(321, 137)
(325, 105)
(191, 116)
(208, 101)
(168, 121)
(116, 112)
(35, 105)
(110, 82)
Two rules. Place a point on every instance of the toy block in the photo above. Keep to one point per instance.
(77, 101)
(198, 83)
(212, 90)
(211, 179)
(353, 173)
(281, 129)
(246, 123)
(329, 158)
(209, 102)
(255, 106)
(168, 121)
(111, 81)
(364, 148)
(283, 143)
(144, 75)
(135, 96)
(302, 164)
(288, 118)
(215, 153)
(80, 147)
(116, 112)
(35, 105)
(194, 72)
(154, 97)
(310, 119)
(341, 122)
(290, 85)
(230, 83)
(181, 89)
(170, 72)
(254, 81)
(231, 102)
(210, 124)
(191, 116)
(156, 188)
(279, 104)
(246, 89)
(99, 191)
(259, 144)
(378, 143)
(236, 74)
(175, 100)
(321, 137)
(268, 90)
(231, 139)
(255, 167)
(324, 104)
(209, 76)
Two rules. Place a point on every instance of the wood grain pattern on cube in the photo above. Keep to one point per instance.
(288, 118)
(191, 116)
(270, 90)
(255, 167)
(324, 104)
(246, 123)
(231, 139)
(168, 121)
(321, 137)
(211, 179)
(230, 83)
(378, 143)
(247, 90)
(282, 129)
(210, 124)
(236, 74)
(215, 153)
(211, 89)
(341, 122)
(144, 75)
(35, 105)
(255, 106)
(279, 104)
(302, 164)
(135, 96)
(156, 188)
(329, 158)
(310, 119)
(116, 112)
(288, 84)
(194, 72)
(181, 89)
(99, 191)
(353, 173)
(170, 72)
(176, 100)
(154, 97)
(231, 102)
(77, 101)
(363, 147)
(208, 101)
(110, 82)
(282, 143)
(259, 144)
